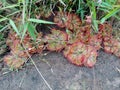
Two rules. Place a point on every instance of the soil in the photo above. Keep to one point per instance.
(62, 75)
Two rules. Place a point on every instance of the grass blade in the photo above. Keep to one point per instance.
(9, 7)
(31, 30)
(24, 30)
(40, 21)
(4, 28)
(11, 14)
(14, 26)
(23, 12)
(3, 19)
(111, 13)
(62, 2)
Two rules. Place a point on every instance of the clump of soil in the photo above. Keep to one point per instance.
(62, 75)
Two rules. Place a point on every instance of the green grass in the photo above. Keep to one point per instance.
(28, 9)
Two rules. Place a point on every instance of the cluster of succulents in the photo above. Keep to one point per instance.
(111, 41)
(19, 50)
(81, 54)
(77, 41)
(60, 19)
(56, 41)
(83, 43)
(68, 20)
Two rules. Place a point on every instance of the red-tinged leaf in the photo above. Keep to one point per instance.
(57, 40)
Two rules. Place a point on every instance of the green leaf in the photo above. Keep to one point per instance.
(1, 37)
(24, 30)
(40, 21)
(23, 12)
(14, 26)
(4, 28)
(11, 14)
(62, 2)
(31, 30)
(3, 19)
(103, 9)
(95, 25)
(9, 7)
(111, 13)
(106, 5)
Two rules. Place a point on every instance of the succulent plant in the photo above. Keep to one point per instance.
(39, 44)
(81, 35)
(95, 41)
(60, 19)
(81, 54)
(11, 37)
(75, 53)
(72, 37)
(116, 39)
(69, 20)
(105, 30)
(91, 56)
(18, 47)
(117, 52)
(57, 40)
(20, 50)
(84, 34)
(116, 34)
(73, 22)
(13, 61)
(112, 45)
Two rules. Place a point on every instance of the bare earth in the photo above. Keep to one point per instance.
(62, 75)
